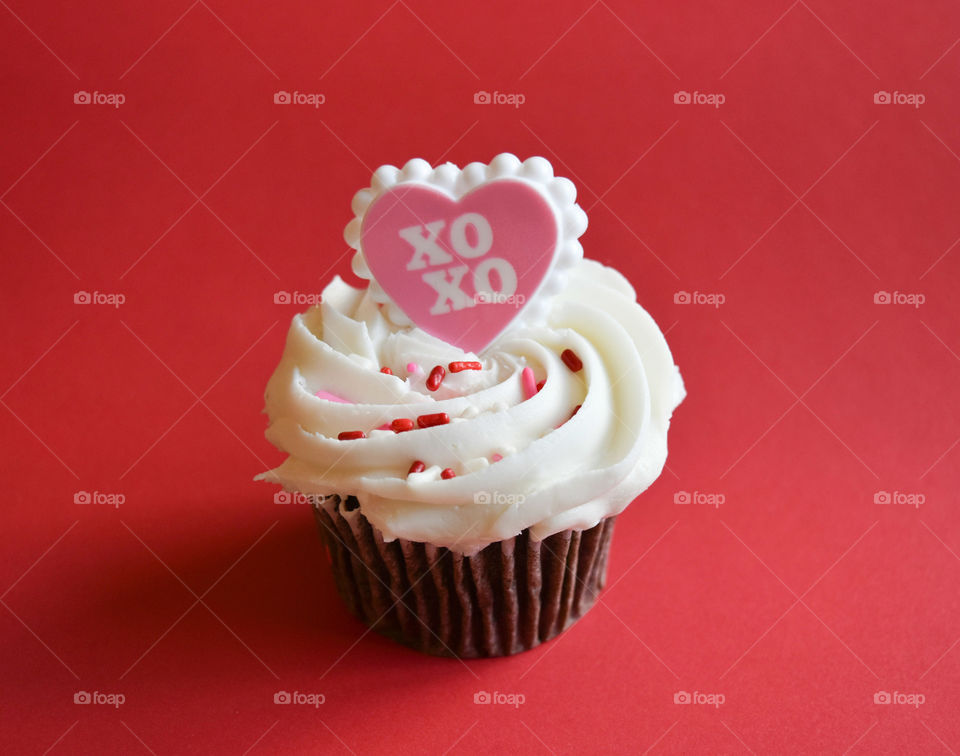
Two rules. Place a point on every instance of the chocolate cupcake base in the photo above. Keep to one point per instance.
(509, 597)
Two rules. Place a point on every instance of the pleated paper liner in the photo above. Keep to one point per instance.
(509, 597)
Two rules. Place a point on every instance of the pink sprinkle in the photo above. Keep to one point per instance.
(496, 457)
(413, 368)
(529, 382)
(332, 397)
(383, 427)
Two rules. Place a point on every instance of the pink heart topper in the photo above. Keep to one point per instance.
(461, 270)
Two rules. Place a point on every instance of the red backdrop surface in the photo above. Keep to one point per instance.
(797, 198)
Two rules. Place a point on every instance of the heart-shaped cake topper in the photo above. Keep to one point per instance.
(466, 254)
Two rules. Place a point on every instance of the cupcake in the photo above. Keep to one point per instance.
(468, 426)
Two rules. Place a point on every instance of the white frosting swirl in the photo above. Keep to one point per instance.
(557, 471)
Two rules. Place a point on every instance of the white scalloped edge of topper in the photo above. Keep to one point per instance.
(560, 193)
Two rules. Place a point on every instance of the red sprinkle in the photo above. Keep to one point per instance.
(351, 435)
(386, 370)
(401, 424)
(437, 418)
(540, 385)
(456, 367)
(576, 410)
(571, 360)
(448, 473)
(436, 377)
(416, 467)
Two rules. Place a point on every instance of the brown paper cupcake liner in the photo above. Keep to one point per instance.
(509, 597)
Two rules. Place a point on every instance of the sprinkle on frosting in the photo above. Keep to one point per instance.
(456, 367)
(386, 370)
(351, 435)
(448, 473)
(416, 467)
(529, 382)
(435, 418)
(413, 368)
(571, 360)
(401, 424)
(436, 377)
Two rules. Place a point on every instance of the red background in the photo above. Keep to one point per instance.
(198, 198)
